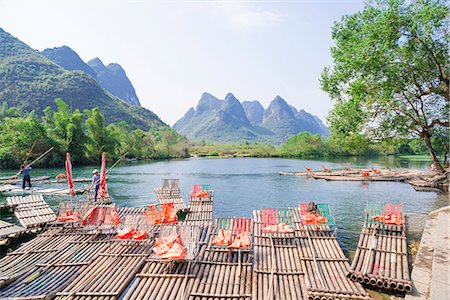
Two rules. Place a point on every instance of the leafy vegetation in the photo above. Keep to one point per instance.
(84, 134)
(390, 76)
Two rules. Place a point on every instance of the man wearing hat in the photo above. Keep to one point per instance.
(96, 182)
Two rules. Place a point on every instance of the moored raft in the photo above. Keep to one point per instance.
(381, 257)
(8, 231)
(170, 192)
(31, 211)
(200, 206)
(109, 273)
(322, 258)
(277, 272)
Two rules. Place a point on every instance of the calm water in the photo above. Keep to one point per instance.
(244, 184)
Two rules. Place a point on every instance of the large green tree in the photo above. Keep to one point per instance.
(101, 138)
(67, 129)
(390, 76)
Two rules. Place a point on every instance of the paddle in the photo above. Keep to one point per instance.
(107, 171)
(30, 164)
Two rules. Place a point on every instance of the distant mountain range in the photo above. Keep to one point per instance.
(111, 77)
(231, 121)
(32, 80)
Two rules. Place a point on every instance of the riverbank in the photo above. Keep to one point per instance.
(431, 267)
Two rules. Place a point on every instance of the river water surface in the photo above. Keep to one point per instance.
(244, 184)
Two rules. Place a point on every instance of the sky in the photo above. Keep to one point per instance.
(173, 51)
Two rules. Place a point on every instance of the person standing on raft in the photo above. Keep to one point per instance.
(25, 171)
(96, 183)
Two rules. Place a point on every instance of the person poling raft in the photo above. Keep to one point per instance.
(25, 168)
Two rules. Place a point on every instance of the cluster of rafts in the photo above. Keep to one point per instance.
(169, 251)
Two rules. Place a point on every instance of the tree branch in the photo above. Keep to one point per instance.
(439, 122)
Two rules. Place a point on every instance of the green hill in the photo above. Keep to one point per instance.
(31, 81)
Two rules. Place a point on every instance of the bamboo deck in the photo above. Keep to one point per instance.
(90, 197)
(86, 263)
(19, 180)
(170, 195)
(170, 192)
(8, 230)
(200, 211)
(325, 264)
(13, 189)
(31, 211)
(381, 257)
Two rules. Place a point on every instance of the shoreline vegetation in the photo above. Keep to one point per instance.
(306, 145)
(85, 135)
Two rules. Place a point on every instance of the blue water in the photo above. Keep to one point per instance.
(244, 184)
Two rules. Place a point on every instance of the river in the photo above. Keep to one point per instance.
(244, 184)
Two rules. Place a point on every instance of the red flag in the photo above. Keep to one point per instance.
(69, 174)
(102, 189)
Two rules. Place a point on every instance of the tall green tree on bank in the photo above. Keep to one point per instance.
(101, 138)
(390, 76)
(67, 129)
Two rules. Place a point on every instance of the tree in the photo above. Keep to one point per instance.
(391, 67)
(100, 137)
(8, 112)
(67, 129)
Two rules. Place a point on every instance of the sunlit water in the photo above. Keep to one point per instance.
(244, 184)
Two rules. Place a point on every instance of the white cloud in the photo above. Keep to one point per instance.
(251, 20)
(245, 16)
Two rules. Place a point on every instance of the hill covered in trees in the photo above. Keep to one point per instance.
(31, 82)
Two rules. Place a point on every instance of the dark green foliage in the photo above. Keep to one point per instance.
(390, 77)
(84, 135)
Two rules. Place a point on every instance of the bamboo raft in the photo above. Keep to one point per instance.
(170, 192)
(31, 211)
(168, 279)
(223, 273)
(91, 194)
(381, 258)
(12, 189)
(41, 249)
(200, 210)
(110, 272)
(277, 272)
(324, 262)
(9, 231)
(19, 180)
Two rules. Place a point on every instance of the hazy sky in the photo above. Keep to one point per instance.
(173, 51)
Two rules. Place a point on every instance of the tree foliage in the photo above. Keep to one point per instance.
(85, 135)
(390, 73)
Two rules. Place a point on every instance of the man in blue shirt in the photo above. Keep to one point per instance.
(96, 182)
(25, 171)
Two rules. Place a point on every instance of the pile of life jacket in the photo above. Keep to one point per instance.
(389, 219)
(281, 227)
(99, 214)
(170, 247)
(241, 240)
(224, 238)
(201, 194)
(168, 214)
(365, 174)
(69, 216)
(312, 218)
(131, 233)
